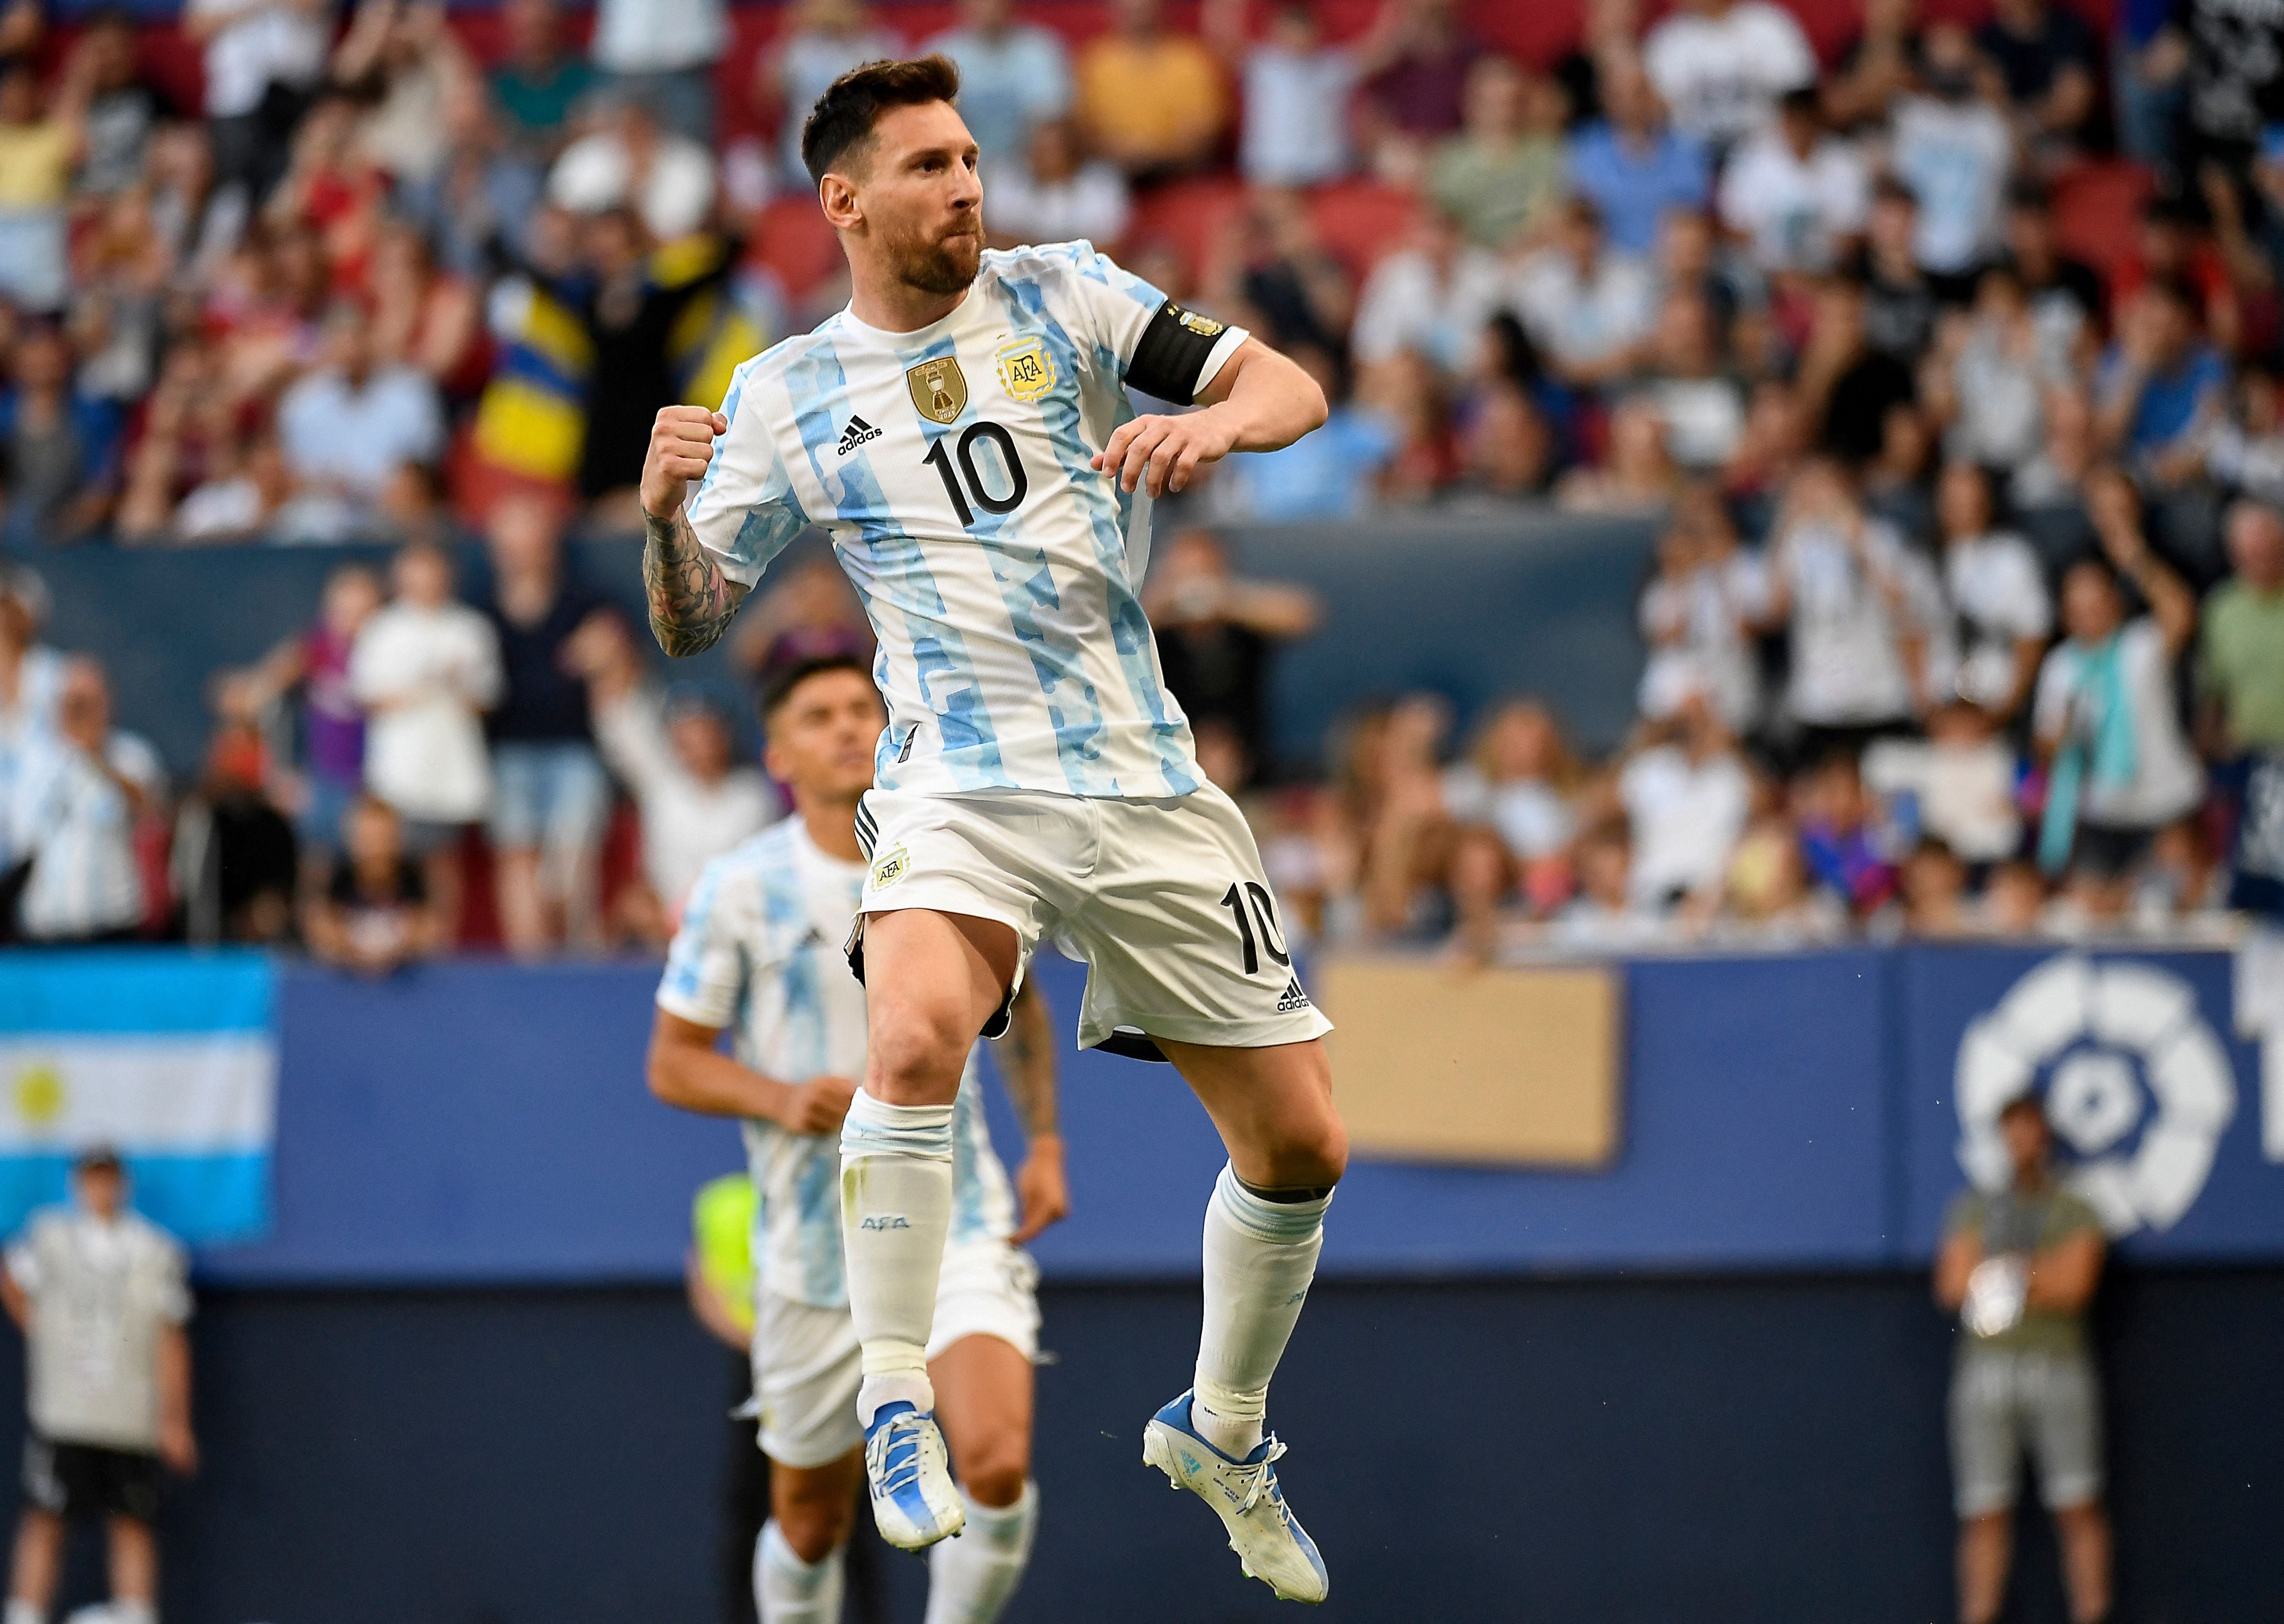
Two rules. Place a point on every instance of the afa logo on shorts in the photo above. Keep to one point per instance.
(1026, 370)
(889, 867)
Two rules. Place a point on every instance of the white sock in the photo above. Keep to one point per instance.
(895, 1207)
(23, 1613)
(1260, 1257)
(971, 1579)
(134, 1612)
(788, 1590)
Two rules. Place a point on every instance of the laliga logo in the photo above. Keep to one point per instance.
(2110, 1037)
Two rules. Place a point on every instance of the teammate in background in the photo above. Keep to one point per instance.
(100, 1295)
(760, 950)
(963, 431)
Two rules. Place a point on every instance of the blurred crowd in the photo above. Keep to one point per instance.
(1968, 612)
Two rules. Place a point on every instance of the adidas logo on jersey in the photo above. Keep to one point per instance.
(1294, 999)
(856, 435)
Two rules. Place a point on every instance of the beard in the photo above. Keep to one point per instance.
(939, 265)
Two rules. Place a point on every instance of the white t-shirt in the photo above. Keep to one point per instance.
(1846, 665)
(651, 36)
(950, 466)
(1795, 210)
(267, 41)
(1721, 77)
(426, 676)
(1295, 131)
(78, 826)
(759, 953)
(1955, 157)
(1408, 304)
(2168, 780)
(1687, 816)
(1704, 418)
(1965, 791)
(595, 172)
(101, 1293)
(1093, 204)
(1999, 594)
(1531, 816)
(1584, 317)
(1696, 630)
(685, 822)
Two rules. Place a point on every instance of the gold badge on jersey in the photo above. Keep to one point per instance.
(939, 388)
(1204, 326)
(1026, 370)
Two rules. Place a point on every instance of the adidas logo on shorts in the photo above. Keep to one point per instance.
(856, 435)
(1293, 998)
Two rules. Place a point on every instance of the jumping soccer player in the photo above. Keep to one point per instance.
(760, 951)
(962, 431)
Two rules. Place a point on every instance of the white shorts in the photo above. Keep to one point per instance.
(1164, 900)
(807, 1365)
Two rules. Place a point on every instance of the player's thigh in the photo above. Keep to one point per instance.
(1181, 933)
(1273, 1107)
(932, 982)
(807, 1368)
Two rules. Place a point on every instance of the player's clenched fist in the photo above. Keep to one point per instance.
(681, 445)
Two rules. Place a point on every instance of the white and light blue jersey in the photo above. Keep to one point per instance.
(759, 953)
(1001, 573)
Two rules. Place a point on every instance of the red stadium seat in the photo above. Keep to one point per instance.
(2097, 207)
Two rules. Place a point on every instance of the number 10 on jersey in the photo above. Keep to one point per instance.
(966, 483)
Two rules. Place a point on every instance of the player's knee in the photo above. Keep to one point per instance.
(995, 1473)
(1312, 1153)
(916, 1059)
(813, 1527)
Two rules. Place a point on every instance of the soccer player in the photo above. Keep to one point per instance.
(760, 951)
(963, 433)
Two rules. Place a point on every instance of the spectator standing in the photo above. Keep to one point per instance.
(348, 426)
(1687, 798)
(1417, 62)
(101, 1295)
(823, 40)
(38, 147)
(2066, 294)
(81, 791)
(263, 59)
(373, 915)
(2161, 384)
(1697, 615)
(1698, 399)
(1721, 66)
(1799, 194)
(1587, 307)
(676, 754)
(1296, 91)
(1992, 375)
(124, 110)
(31, 685)
(1861, 606)
(2107, 714)
(1501, 175)
(1951, 145)
(1997, 592)
(1900, 298)
(1151, 100)
(2235, 77)
(550, 798)
(425, 668)
(62, 446)
(1056, 197)
(2241, 685)
(1431, 297)
(1013, 76)
(631, 162)
(2050, 59)
(663, 53)
(538, 84)
(1217, 635)
(1632, 165)
(2019, 1267)
(233, 861)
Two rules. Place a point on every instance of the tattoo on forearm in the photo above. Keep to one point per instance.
(1027, 1065)
(691, 600)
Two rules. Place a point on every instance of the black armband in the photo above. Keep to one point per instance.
(1172, 352)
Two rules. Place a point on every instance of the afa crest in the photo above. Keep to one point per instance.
(889, 867)
(939, 388)
(1026, 370)
(1204, 326)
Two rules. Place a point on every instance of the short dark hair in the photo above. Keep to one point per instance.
(852, 104)
(2029, 1101)
(777, 685)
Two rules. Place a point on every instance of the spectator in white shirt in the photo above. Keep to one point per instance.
(1687, 798)
(1700, 401)
(1720, 66)
(1998, 594)
(1296, 90)
(631, 160)
(1587, 307)
(1800, 195)
(1697, 615)
(263, 59)
(81, 791)
(101, 1296)
(1431, 297)
(426, 668)
(1860, 604)
(665, 52)
(1056, 198)
(677, 755)
(31, 684)
(1961, 781)
(1013, 76)
(1953, 147)
(347, 427)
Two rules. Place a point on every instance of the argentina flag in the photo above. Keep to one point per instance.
(169, 1059)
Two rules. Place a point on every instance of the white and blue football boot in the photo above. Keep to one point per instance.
(914, 1500)
(1269, 1540)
